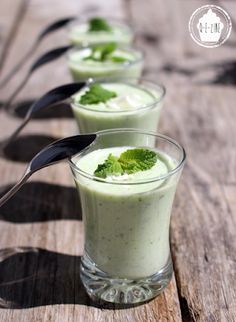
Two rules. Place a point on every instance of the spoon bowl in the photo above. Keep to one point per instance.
(51, 154)
(55, 25)
(54, 96)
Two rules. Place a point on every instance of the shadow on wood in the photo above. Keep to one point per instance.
(224, 72)
(31, 277)
(226, 75)
(24, 148)
(150, 38)
(39, 201)
(19, 109)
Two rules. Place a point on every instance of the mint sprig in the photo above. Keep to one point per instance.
(130, 161)
(99, 24)
(135, 160)
(102, 52)
(110, 166)
(96, 94)
(119, 59)
(106, 52)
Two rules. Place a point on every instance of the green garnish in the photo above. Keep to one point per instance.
(105, 52)
(118, 59)
(135, 160)
(102, 52)
(130, 161)
(99, 24)
(96, 94)
(110, 166)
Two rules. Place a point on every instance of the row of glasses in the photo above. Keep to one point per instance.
(126, 214)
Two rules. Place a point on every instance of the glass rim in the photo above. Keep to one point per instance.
(124, 80)
(178, 167)
(128, 48)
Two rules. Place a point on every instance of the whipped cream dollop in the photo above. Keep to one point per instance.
(125, 102)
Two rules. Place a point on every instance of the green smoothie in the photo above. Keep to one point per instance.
(127, 180)
(102, 61)
(98, 30)
(132, 106)
(126, 217)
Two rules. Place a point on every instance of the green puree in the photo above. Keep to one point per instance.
(102, 61)
(126, 223)
(99, 30)
(127, 106)
(123, 105)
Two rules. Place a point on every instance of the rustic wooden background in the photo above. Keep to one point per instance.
(41, 237)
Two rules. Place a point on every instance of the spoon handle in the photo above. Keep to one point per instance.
(55, 25)
(58, 24)
(42, 60)
(48, 57)
(51, 154)
(52, 97)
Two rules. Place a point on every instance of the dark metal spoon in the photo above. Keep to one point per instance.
(42, 60)
(54, 96)
(53, 153)
(58, 24)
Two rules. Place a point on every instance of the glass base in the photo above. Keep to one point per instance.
(102, 287)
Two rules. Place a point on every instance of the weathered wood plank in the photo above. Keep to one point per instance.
(46, 241)
(203, 236)
(9, 25)
(201, 116)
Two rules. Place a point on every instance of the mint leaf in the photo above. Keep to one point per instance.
(111, 166)
(135, 160)
(119, 59)
(107, 49)
(99, 24)
(96, 94)
(105, 52)
(130, 161)
(102, 52)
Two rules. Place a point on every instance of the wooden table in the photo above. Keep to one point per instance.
(41, 238)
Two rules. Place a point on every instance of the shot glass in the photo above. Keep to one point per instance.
(145, 115)
(82, 69)
(127, 252)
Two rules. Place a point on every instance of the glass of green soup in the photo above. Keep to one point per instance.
(118, 103)
(104, 60)
(127, 180)
(97, 30)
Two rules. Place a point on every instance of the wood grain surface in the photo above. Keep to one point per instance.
(41, 238)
